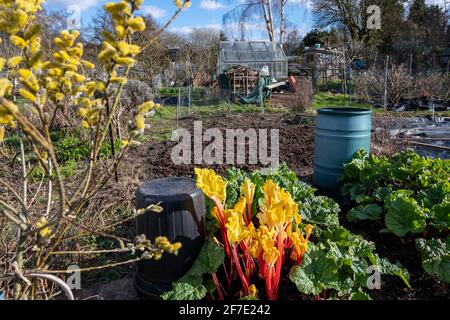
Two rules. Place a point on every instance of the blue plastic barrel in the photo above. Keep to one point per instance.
(339, 133)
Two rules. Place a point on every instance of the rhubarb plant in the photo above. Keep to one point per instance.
(341, 264)
(435, 257)
(259, 232)
(407, 193)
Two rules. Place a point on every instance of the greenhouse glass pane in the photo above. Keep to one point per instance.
(258, 46)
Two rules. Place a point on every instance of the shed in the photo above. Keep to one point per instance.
(326, 64)
(256, 55)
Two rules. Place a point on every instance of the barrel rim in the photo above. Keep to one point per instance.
(344, 111)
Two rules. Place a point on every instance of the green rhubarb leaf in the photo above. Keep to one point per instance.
(322, 211)
(359, 266)
(343, 284)
(335, 253)
(441, 215)
(356, 166)
(359, 296)
(386, 267)
(185, 291)
(381, 193)
(435, 255)
(340, 235)
(210, 258)
(361, 247)
(435, 194)
(315, 273)
(404, 214)
(365, 212)
(355, 191)
(354, 244)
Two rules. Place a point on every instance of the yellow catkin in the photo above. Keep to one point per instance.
(27, 95)
(2, 133)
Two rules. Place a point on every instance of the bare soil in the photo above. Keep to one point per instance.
(296, 145)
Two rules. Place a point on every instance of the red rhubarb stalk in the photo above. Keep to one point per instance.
(239, 270)
(279, 263)
(217, 284)
(269, 283)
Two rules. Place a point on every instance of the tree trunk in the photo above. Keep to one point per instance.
(283, 21)
(267, 11)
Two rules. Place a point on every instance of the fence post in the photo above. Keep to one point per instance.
(178, 104)
(410, 64)
(345, 72)
(261, 100)
(385, 83)
(189, 98)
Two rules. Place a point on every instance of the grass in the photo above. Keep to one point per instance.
(169, 112)
(333, 85)
(340, 100)
(327, 99)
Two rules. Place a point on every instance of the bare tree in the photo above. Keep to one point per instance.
(199, 56)
(154, 59)
(283, 19)
(348, 13)
(246, 11)
(272, 12)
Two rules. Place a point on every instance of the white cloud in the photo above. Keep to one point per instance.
(155, 12)
(211, 5)
(81, 4)
(233, 28)
(188, 29)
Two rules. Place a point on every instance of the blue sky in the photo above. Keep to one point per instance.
(202, 14)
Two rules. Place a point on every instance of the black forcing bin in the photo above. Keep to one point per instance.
(182, 220)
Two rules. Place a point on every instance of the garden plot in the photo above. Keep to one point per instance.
(296, 144)
(427, 136)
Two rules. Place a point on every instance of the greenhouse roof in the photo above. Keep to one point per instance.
(243, 51)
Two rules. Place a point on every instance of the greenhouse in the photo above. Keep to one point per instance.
(264, 56)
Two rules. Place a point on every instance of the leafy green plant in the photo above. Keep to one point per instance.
(73, 148)
(435, 257)
(369, 211)
(105, 149)
(409, 193)
(13, 141)
(339, 264)
(68, 169)
(404, 213)
(185, 291)
(37, 174)
(190, 287)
